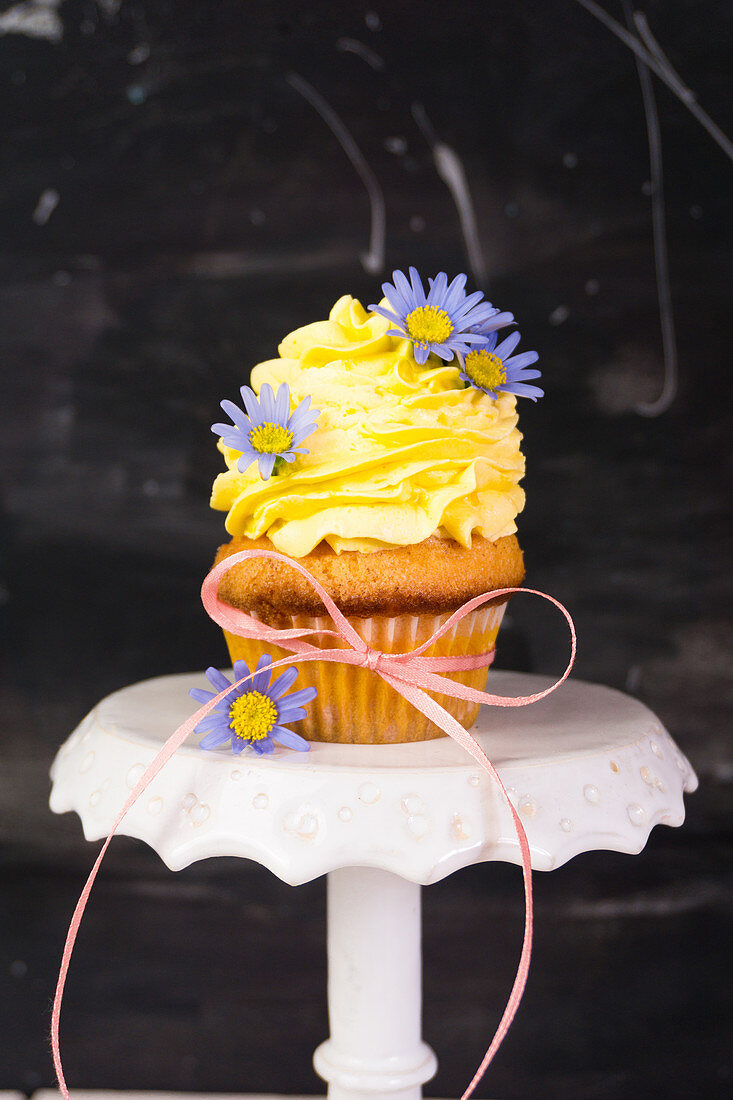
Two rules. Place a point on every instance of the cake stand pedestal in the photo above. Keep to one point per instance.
(587, 768)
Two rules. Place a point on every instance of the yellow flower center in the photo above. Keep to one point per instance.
(252, 716)
(271, 439)
(428, 325)
(485, 368)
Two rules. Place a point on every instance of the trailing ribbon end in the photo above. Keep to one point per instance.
(411, 674)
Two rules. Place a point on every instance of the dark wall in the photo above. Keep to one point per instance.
(172, 202)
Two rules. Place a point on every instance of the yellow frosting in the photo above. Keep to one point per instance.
(401, 452)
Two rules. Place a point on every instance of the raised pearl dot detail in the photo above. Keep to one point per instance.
(200, 813)
(134, 775)
(412, 804)
(86, 763)
(614, 767)
(345, 813)
(419, 826)
(94, 798)
(369, 793)
(304, 826)
(566, 824)
(155, 805)
(261, 801)
(647, 776)
(591, 794)
(460, 828)
(681, 764)
(527, 806)
(637, 814)
(655, 749)
(189, 801)
(474, 780)
(659, 785)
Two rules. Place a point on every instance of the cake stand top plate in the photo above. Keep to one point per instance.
(587, 768)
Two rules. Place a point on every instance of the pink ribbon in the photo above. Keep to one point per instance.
(411, 674)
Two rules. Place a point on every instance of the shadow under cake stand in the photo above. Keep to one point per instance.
(587, 768)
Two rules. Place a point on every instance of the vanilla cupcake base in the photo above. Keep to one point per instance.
(355, 705)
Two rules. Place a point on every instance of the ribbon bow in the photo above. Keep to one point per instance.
(412, 674)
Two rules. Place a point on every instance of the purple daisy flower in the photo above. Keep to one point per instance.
(493, 368)
(253, 713)
(267, 431)
(441, 321)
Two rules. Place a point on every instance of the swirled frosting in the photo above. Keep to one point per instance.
(402, 451)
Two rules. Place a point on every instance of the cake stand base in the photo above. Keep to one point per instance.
(586, 768)
(374, 989)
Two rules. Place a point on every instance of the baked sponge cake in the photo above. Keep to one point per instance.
(381, 451)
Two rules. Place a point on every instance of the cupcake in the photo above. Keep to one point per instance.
(380, 451)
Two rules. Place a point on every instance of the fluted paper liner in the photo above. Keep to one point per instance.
(355, 705)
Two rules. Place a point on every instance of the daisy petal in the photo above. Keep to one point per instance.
(266, 465)
(238, 417)
(251, 404)
(533, 392)
(246, 460)
(217, 679)
(214, 739)
(498, 320)
(294, 715)
(300, 698)
(417, 288)
(522, 375)
(282, 404)
(241, 672)
(438, 287)
(443, 350)
(524, 359)
(506, 347)
(267, 402)
(261, 678)
(454, 294)
(202, 696)
(281, 685)
(214, 721)
(291, 740)
(386, 313)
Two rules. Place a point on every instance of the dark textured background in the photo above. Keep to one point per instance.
(204, 209)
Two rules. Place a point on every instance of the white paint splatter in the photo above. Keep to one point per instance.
(396, 145)
(661, 261)
(450, 169)
(559, 315)
(45, 206)
(373, 260)
(139, 54)
(110, 7)
(36, 18)
(353, 45)
(652, 55)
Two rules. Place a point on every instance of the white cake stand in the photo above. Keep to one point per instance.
(587, 768)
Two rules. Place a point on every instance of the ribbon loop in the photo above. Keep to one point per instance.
(411, 674)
